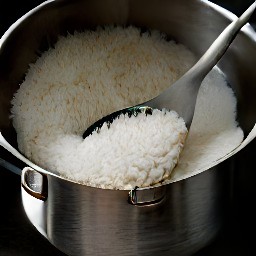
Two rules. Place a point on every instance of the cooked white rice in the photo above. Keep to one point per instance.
(88, 75)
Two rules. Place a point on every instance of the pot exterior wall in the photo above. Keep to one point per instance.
(82, 220)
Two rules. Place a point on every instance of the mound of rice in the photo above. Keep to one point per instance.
(91, 74)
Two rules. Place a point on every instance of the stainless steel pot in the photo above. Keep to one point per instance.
(175, 219)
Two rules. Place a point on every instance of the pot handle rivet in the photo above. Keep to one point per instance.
(35, 183)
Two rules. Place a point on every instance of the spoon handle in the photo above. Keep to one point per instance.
(181, 96)
(220, 46)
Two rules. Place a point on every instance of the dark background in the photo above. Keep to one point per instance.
(18, 237)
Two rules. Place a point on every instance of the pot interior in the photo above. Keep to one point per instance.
(40, 28)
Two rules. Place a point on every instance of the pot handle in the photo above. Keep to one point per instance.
(147, 196)
(34, 198)
(34, 183)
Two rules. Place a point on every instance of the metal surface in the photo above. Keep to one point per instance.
(80, 220)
